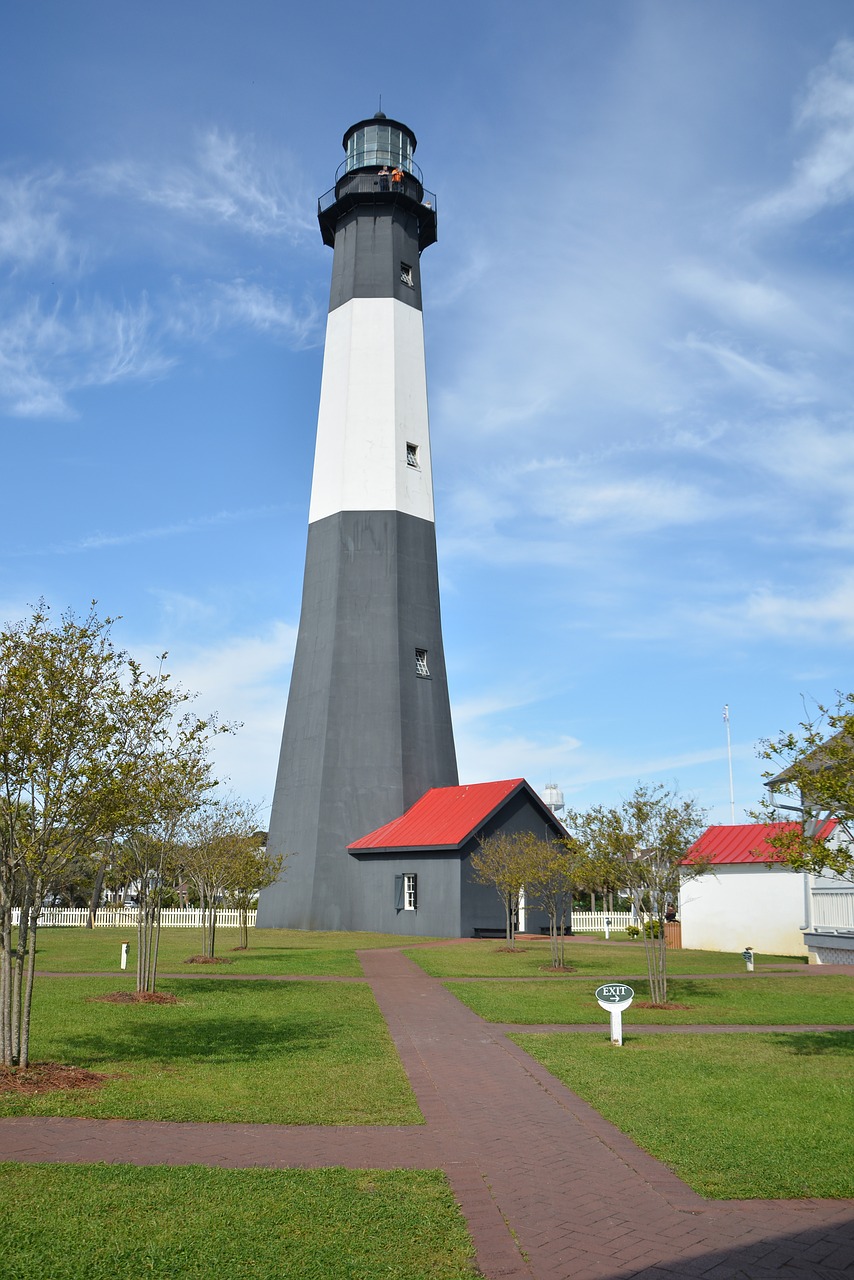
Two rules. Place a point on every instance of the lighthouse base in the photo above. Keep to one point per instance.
(368, 725)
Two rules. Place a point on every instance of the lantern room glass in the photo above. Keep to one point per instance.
(377, 144)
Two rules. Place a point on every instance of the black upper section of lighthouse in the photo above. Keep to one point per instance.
(379, 175)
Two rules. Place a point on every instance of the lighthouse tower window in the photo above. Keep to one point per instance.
(406, 274)
(421, 668)
(411, 454)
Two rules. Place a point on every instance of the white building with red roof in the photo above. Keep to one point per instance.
(749, 899)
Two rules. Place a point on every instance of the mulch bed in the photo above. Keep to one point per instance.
(46, 1077)
(136, 997)
(208, 960)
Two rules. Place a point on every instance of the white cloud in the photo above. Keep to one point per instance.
(199, 524)
(45, 354)
(229, 181)
(823, 616)
(485, 757)
(754, 374)
(215, 306)
(823, 176)
(31, 233)
(244, 680)
(756, 305)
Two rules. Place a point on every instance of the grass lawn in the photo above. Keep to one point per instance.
(487, 959)
(97, 1222)
(753, 1000)
(284, 1053)
(272, 951)
(769, 1116)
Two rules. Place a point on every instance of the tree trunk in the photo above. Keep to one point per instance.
(24, 1052)
(97, 890)
(508, 916)
(203, 914)
(212, 930)
(153, 980)
(244, 929)
(17, 977)
(656, 957)
(6, 982)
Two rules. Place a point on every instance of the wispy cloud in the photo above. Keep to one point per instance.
(47, 353)
(823, 176)
(221, 305)
(755, 374)
(200, 524)
(31, 227)
(822, 615)
(228, 181)
(101, 541)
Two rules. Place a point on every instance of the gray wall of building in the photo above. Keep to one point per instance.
(480, 905)
(438, 894)
(364, 735)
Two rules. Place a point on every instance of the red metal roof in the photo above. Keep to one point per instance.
(443, 818)
(747, 842)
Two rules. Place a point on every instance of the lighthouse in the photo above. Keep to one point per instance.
(368, 722)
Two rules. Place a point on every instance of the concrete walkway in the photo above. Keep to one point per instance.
(550, 1189)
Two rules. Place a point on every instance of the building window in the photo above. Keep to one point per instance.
(406, 274)
(411, 454)
(406, 892)
(421, 668)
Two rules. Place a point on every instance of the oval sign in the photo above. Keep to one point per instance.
(614, 993)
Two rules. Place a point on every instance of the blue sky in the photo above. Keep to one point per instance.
(639, 321)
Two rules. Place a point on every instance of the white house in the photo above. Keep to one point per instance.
(747, 899)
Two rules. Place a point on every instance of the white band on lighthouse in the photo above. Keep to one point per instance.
(373, 419)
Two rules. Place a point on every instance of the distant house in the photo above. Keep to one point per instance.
(747, 899)
(415, 874)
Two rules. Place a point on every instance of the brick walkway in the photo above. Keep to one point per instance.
(549, 1188)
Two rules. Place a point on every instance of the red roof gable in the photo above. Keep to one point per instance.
(747, 842)
(443, 818)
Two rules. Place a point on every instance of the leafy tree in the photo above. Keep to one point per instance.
(255, 869)
(166, 785)
(811, 773)
(61, 751)
(501, 860)
(642, 845)
(554, 869)
(221, 858)
(89, 749)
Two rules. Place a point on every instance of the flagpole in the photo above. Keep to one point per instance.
(729, 758)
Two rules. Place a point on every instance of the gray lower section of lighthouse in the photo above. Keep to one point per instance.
(368, 725)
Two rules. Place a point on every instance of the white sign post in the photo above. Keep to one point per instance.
(615, 997)
(125, 946)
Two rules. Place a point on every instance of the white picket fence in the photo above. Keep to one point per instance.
(594, 921)
(126, 917)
